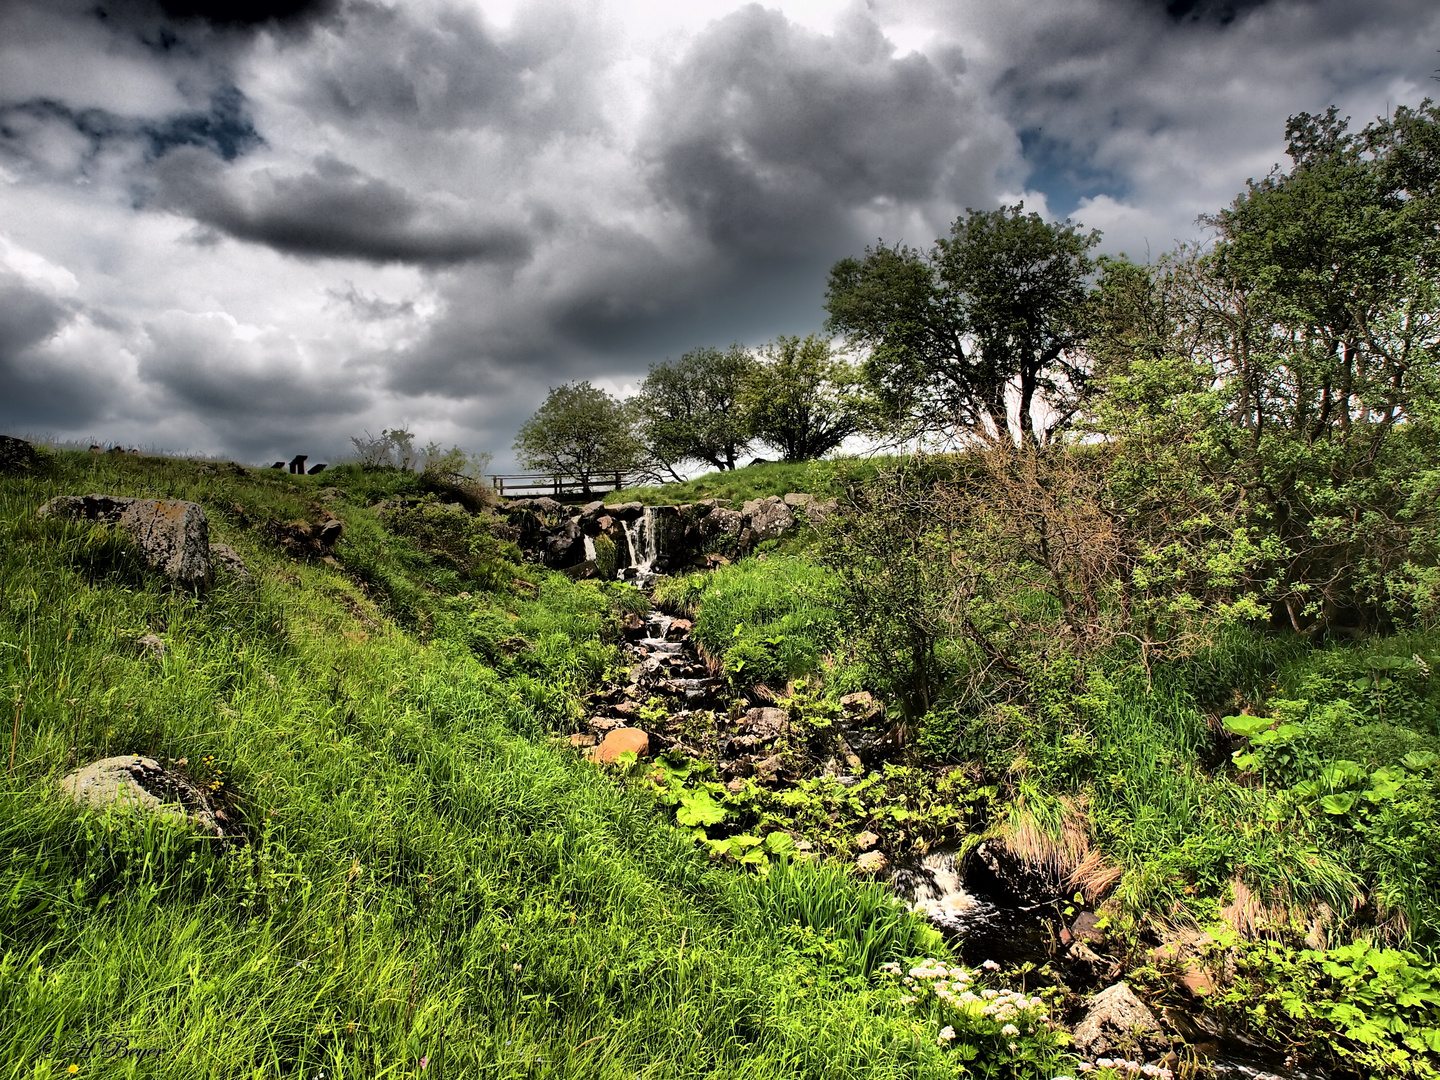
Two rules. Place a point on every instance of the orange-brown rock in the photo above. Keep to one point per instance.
(621, 740)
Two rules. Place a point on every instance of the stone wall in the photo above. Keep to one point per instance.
(651, 539)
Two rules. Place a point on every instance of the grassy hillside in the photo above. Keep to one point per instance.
(751, 482)
(430, 886)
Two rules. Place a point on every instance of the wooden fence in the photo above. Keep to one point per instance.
(530, 485)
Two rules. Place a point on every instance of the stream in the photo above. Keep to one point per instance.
(981, 917)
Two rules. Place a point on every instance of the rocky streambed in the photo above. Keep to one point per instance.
(674, 703)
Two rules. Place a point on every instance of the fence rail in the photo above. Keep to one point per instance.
(520, 485)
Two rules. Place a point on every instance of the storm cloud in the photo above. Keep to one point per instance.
(331, 211)
(225, 225)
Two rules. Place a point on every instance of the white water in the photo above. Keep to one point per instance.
(589, 549)
(641, 537)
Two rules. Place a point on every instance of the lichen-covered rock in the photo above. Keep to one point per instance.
(1117, 1020)
(173, 536)
(769, 518)
(224, 557)
(143, 783)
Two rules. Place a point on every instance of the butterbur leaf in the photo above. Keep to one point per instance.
(698, 808)
(1420, 759)
(1341, 802)
(1246, 725)
(779, 843)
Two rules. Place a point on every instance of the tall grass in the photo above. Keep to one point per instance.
(428, 886)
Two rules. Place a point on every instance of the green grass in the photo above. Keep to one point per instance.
(770, 620)
(752, 482)
(428, 877)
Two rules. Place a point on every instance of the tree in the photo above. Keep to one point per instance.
(803, 400)
(1306, 348)
(690, 408)
(992, 312)
(580, 431)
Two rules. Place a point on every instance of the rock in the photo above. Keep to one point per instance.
(151, 644)
(1086, 928)
(143, 783)
(766, 723)
(861, 708)
(224, 557)
(1182, 952)
(1117, 1021)
(720, 524)
(604, 724)
(173, 536)
(16, 455)
(678, 630)
(581, 739)
(866, 840)
(769, 518)
(798, 499)
(872, 862)
(622, 740)
(768, 770)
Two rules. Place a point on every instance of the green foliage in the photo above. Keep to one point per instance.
(865, 920)
(420, 879)
(580, 431)
(803, 400)
(1373, 1009)
(996, 306)
(769, 621)
(459, 541)
(690, 408)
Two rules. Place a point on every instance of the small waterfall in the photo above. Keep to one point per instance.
(641, 535)
(933, 888)
(589, 549)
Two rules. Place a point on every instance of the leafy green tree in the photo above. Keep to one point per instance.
(581, 431)
(993, 312)
(690, 408)
(802, 399)
(1297, 364)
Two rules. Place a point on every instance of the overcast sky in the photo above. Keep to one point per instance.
(257, 229)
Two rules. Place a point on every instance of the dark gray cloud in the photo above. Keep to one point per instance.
(163, 22)
(768, 133)
(40, 387)
(333, 211)
(203, 366)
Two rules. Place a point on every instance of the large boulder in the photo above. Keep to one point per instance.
(142, 783)
(173, 536)
(769, 518)
(1116, 1021)
(720, 526)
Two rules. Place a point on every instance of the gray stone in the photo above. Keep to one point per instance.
(173, 536)
(872, 862)
(766, 723)
(720, 523)
(769, 518)
(1117, 1021)
(224, 557)
(141, 782)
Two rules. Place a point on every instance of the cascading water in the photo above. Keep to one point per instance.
(589, 549)
(642, 537)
